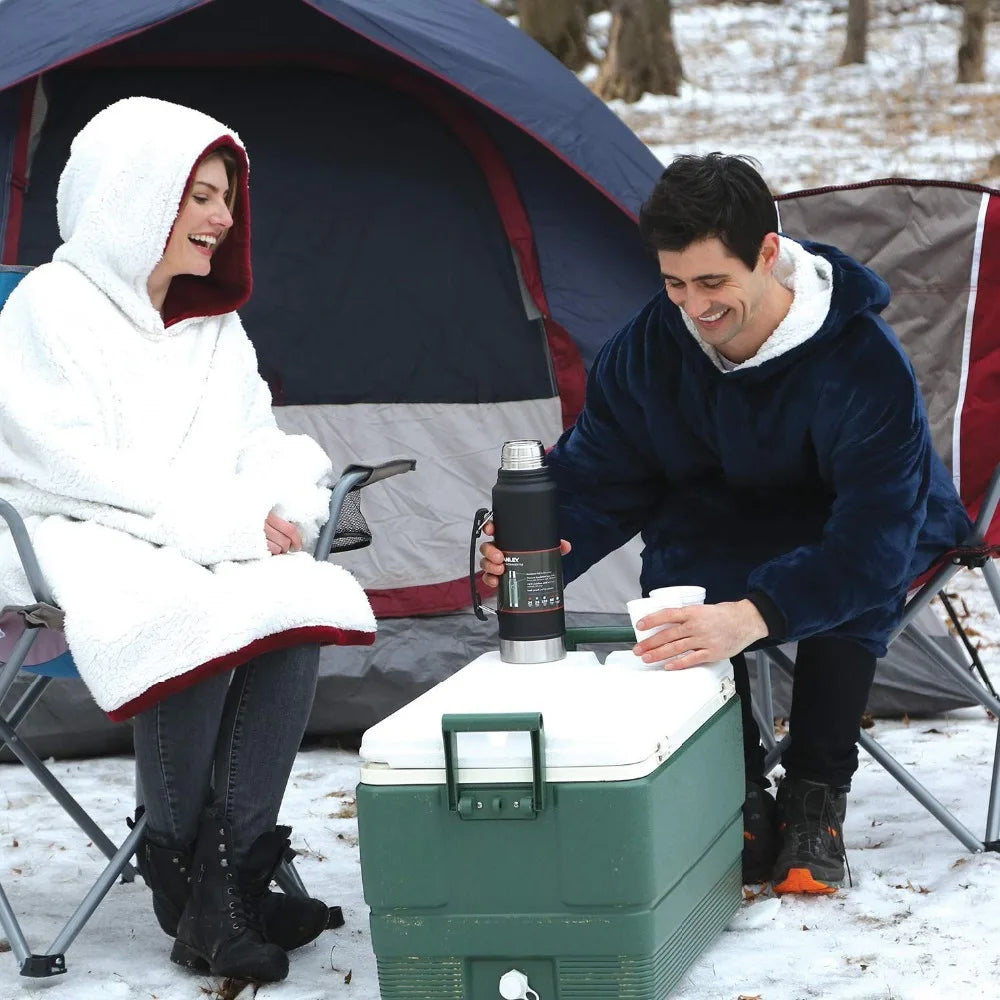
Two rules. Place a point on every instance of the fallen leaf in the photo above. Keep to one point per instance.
(14, 843)
(749, 996)
(909, 886)
(867, 722)
(347, 978)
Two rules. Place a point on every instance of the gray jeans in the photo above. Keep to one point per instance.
(230, 741)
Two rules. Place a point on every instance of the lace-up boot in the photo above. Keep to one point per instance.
(810, 827)
(288, 921)
(220, 925)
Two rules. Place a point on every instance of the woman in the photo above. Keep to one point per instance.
(173, 519)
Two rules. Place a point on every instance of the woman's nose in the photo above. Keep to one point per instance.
(223, 217)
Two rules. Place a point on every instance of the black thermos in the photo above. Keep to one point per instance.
(530, 595)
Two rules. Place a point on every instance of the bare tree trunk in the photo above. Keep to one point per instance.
(856, 43)
(972, 50)
(560, 26)
(641, 56)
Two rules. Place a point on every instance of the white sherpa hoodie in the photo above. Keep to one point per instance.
(141, 450)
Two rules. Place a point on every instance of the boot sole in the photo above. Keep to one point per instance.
(801, 881)
(183, 954)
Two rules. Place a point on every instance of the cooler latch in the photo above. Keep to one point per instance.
(497, 801)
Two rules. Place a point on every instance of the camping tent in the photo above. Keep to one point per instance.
(444, 235)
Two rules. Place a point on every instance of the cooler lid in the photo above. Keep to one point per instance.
(613, 721)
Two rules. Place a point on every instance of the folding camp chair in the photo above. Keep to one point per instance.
(346, 529)
(974, 553)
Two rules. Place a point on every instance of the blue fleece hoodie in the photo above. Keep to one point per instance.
(808, 482)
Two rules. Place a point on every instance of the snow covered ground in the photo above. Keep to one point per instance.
(763, 79)
(923, 919)
(921, 922)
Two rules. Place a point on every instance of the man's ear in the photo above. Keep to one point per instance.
(769, 248)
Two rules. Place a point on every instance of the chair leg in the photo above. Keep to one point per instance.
(920, 793)
(288, 878)
(762, 704)
(90, 902)
(48, 781)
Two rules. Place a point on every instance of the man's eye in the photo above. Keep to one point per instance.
(712, 284)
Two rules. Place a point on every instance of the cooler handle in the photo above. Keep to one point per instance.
(500, 722)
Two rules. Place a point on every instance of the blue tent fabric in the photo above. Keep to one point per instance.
(458, 40)
(564, 149)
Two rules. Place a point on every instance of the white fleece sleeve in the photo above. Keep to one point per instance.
(295, 464)
(58, 453)
(52, 436)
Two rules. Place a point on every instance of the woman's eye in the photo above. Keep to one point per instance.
(200, 198)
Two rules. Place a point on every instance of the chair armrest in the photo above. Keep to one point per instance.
(355, 477)
(26, 553)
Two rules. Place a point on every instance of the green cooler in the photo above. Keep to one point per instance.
(565, 830)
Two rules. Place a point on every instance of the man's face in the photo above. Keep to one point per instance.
(720, 294)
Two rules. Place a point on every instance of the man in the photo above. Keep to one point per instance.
(759, 424)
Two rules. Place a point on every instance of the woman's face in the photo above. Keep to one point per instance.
(201, 223)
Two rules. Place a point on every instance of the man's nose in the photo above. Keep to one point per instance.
(696, 305)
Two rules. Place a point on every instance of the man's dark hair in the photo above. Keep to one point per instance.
(700, 197)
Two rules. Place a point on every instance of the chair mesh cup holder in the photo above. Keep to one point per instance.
(352, 528)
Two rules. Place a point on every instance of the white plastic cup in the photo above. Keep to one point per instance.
(638, 608)
(678, 597)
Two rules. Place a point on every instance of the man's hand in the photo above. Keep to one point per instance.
(701, 633)
(492, 562)
(282, 536)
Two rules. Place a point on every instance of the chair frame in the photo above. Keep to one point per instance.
(974, 553)
(52, 961)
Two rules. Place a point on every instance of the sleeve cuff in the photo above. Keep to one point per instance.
(774, 617)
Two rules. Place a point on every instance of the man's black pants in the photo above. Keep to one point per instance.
(832, 679)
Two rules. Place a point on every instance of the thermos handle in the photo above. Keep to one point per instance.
(500, 722)
(482, 516)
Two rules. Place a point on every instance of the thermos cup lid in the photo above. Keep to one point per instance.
(522, 455)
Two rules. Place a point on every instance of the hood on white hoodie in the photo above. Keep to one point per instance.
(119, 194)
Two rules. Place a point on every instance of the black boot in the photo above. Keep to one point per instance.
(165, 867)
(288, 921)
(220, 925)
(760, 842)
(810, 825)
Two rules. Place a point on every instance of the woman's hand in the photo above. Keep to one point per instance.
(700, 633)
(282, 536)
(492, 562)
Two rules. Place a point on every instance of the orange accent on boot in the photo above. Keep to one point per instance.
(800, 880)
(747, 835)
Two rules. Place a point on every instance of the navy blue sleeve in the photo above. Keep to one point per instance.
(874, 449)
(606, 483)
